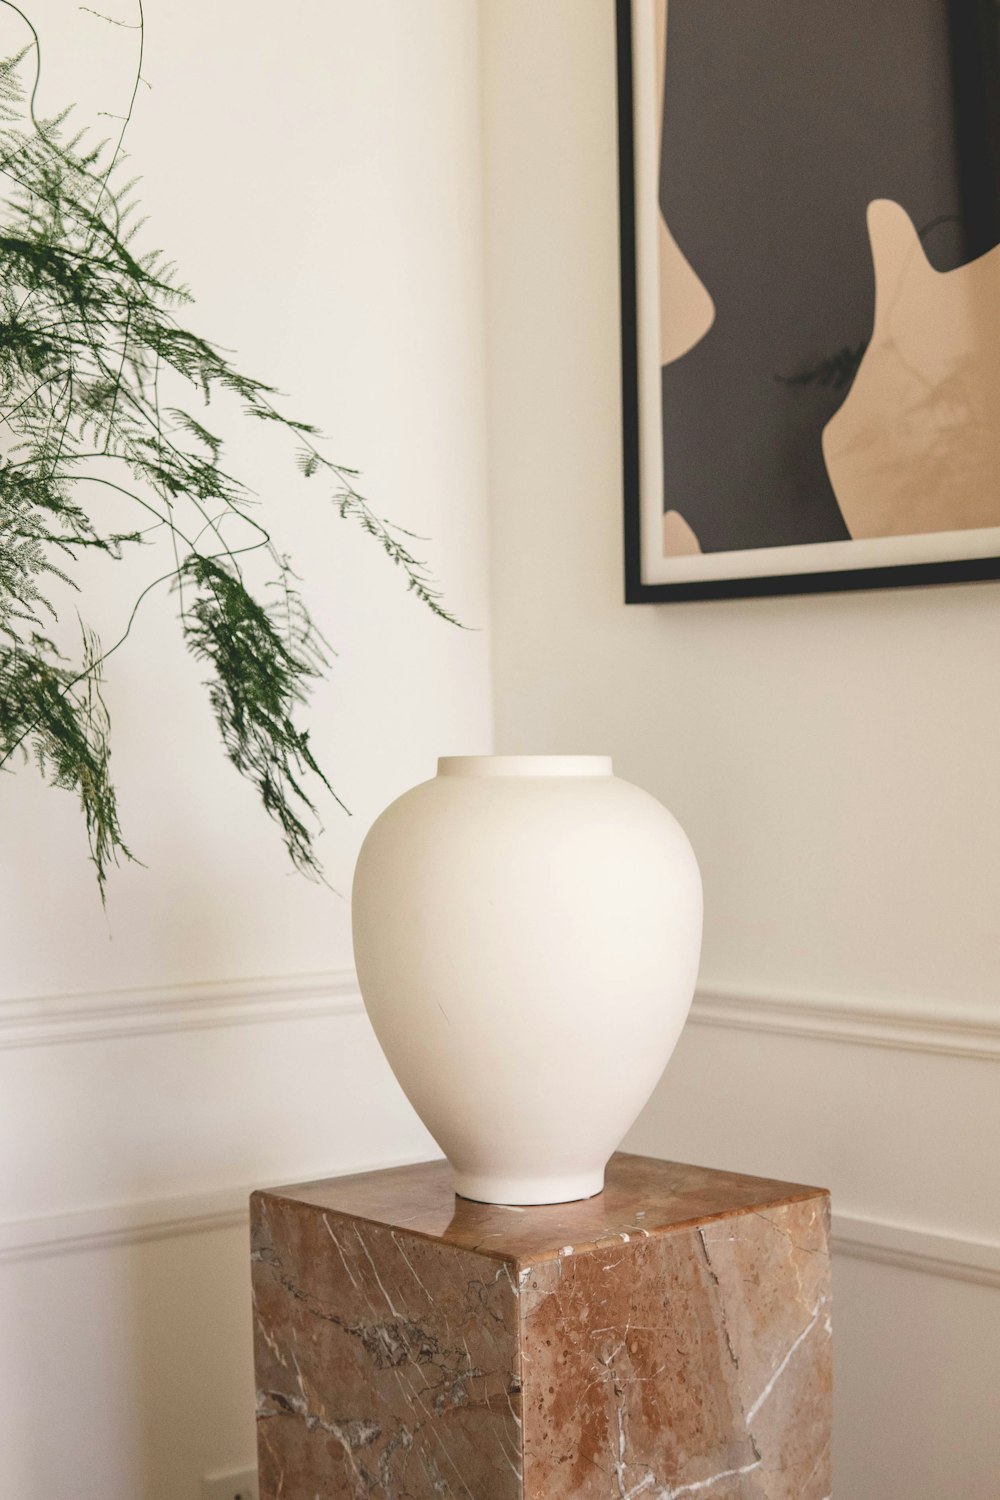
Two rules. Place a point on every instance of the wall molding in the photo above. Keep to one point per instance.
(122, 1224)
(148, 1219)
(951, 1030)
(909, 1249)
(47, 1020)
(955, 1257)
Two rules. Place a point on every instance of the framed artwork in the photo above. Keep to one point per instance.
(810, 244)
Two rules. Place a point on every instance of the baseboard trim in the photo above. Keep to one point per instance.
(951, 1030)
(952, 1256)
(48, 1020)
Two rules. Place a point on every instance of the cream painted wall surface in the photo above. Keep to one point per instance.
(316, 174)
(316, 178)
(319, 182)
(833, 761)
(832, 758)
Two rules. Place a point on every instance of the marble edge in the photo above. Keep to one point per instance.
(639, 1236)
(287, 1195)
(784, 1193)
(797, 1190)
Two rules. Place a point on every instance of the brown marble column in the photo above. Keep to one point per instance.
(668, 1338)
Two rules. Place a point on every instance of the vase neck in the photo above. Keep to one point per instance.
(524, 765)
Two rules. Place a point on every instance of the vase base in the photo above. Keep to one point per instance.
(528, 1192)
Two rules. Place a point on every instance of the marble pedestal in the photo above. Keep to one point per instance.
(668, 1338)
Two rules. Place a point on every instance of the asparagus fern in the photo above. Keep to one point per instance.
(91, 335)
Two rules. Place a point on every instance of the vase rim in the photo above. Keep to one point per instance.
(524, 765)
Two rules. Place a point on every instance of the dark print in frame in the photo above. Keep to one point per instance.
(810, 285)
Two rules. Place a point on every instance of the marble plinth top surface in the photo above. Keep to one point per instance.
(642, 1198)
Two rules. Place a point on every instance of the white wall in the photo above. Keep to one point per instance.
(315, 172)
(318, 179)
(834, 762)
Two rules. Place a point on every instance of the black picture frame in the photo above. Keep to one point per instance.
(980, 154)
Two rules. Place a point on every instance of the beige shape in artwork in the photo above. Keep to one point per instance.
(687, 311)
(916, 445)
(678, 538)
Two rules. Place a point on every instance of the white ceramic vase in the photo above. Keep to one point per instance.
(527, 931)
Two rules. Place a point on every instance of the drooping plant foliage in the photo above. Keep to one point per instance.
(91, 338)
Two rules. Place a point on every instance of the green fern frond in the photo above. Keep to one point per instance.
(59, 716)
(88, 324)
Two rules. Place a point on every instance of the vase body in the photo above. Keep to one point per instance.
(527, 932)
